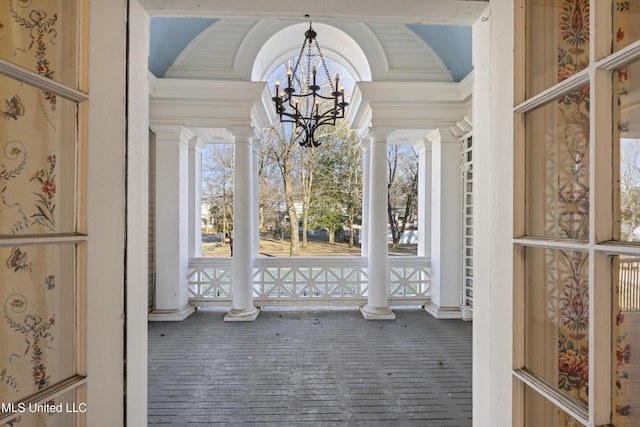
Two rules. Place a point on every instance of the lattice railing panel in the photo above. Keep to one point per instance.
(310, 281)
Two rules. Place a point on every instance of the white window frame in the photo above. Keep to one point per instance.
(600, 246)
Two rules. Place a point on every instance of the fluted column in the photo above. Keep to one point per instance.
(243, 230)
(195, 197)
(377, 307)
(172, 223)
(446, 237)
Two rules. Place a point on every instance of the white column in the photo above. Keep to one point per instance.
(424, 199)
(377, 307)
(256, 199)
(445, 226)
(366, 167)
(243, 243)
(172, 223)
(195, 197)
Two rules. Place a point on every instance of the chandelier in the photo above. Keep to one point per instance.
(304, 102)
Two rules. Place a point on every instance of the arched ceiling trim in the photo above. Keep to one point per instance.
(335, 44)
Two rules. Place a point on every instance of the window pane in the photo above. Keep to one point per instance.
(626, 330)
(38, 161)
(40, 35)
(557, 42)
(557, 319)
(38, 325)
(557, 168)
(539, 411)
(626, 15)
(627, 138)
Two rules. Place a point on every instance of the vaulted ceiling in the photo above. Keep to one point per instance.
(207, 48)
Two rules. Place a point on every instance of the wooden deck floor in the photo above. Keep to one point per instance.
(310, 367)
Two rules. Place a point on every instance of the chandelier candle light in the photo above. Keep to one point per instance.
(306, 107)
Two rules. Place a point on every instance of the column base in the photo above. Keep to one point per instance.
(377, 313)
(442, 312)
(172, 315)
(466, 313)
(235, 315)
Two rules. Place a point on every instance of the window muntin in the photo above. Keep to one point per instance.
(539, 411)
(557, 168)
(557, 46)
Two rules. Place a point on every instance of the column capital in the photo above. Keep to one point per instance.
(172, 132)
(441, 136)
(379, 134)
(243, 134)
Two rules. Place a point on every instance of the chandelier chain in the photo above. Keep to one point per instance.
(326, 70)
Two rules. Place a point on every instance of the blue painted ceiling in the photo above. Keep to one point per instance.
(169, 36)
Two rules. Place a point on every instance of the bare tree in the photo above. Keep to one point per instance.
(280, 143)
(630, 186)
(307, 165)
(217, 184)
(270, 193)
(402, 189)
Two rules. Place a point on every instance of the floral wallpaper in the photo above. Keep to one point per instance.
(623, 410)
(31, 128)
(558, 207)
(37, 325)
(37, 322)
(571, 190)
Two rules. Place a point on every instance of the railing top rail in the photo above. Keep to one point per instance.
(338, 261)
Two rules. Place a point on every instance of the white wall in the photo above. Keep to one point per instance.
(493, 201)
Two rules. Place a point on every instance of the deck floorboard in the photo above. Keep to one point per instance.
(310, 367)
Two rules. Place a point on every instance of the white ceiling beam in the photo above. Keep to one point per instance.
(434, 12)
(414, 105)
(205, 103)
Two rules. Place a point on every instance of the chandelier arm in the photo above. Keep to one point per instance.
(330, 120)
(296, 112)
(319, 95)
(294, 119)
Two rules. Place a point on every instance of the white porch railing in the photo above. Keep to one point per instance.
(629, 284)
(309, 281)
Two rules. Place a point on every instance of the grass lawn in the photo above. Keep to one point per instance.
(316, 246)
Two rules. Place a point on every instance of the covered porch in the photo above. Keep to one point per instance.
(310, 367)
